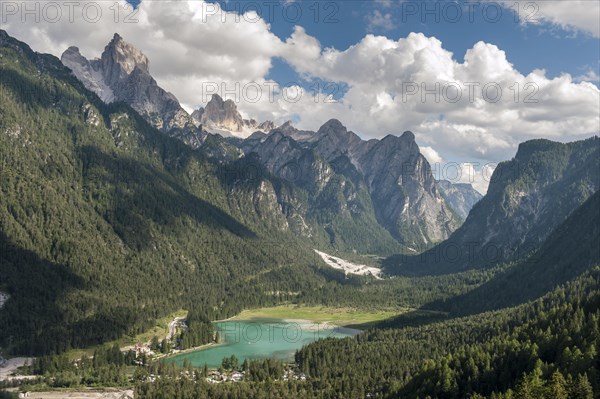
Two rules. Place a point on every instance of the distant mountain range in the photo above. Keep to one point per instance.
(332, 186)
(388, 179)
(222, 117)
(461, 197)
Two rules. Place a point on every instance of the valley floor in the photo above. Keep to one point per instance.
(344, 317)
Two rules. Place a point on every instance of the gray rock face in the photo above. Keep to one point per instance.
(123, 74)
(266, 126)
(222, 117)
(532, 194)
(222, 114)
(405, 194)
(91, 78)
(288, 130)
(333, 139)
(461, 197)
(528, 197)
(397, 178)
(320, 198)
(120, 59)
(197, 116)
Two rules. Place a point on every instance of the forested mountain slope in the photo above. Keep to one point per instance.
(546, 348)
(569, 251)
(107, 223)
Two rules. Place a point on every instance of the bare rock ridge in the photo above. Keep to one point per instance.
(402, 192)
(222, 117)
(461, 197)
(398, 179)
(91, 78)
(123, 74)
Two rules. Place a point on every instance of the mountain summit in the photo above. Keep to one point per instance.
(123, 74)
(222, 117)
(402, 192)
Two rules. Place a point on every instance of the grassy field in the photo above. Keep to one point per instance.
(347, 317)
(161, 329)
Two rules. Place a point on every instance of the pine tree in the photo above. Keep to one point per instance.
(558, 386)
(582, 389)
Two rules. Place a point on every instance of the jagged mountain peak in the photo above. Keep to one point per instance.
(408, 135)
(392, 143)
(335, 131)
(73, 55)
(123, 74)
(88, 73)
(216, 98)
(125, 55)
(220, 114)
(222, 117)
(72, 50)
(332, 124)
(288, 129)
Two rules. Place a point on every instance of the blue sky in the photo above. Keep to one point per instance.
(340, 24)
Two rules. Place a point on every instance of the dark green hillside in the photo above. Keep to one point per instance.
(514, 349)
(570, 250)
(107, 223)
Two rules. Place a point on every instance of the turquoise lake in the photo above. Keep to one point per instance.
(260, 339)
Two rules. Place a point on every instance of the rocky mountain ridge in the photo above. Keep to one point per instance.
(123, 74)
(403, 195)
(461, 197)
(222, 117)
(396, 176)
(528, 197)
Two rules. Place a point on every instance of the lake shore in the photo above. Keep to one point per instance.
(177, 352)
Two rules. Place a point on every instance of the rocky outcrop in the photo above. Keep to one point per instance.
(123, 74)
(403, 195)
(222, 117)
(91, 78)
(528, 197)
(222, 114)
(461, 197)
